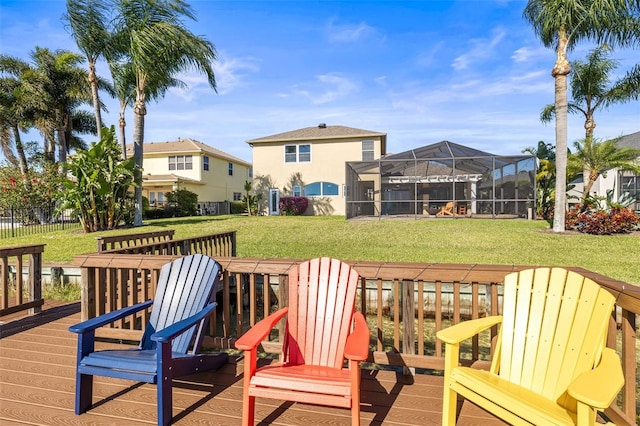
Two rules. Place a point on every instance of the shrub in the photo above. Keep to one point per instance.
(237, 207)
(293, 206)
(603, 222)
(183, 201)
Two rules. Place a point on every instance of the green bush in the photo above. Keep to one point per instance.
(184, 202)
(237, 207)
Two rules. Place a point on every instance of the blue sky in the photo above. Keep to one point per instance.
(471, 72)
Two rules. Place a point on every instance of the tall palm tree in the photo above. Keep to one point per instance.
(158, 46)
(58, 87)
(562, 24)
(87, 22)
(125, 85)
(598, 157)
(12, 116)
(592, 90)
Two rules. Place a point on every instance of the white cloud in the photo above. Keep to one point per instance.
(333, 86)
(348, 33)
(231, 73)
(482, 49)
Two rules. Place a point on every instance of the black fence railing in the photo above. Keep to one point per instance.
(18, 221)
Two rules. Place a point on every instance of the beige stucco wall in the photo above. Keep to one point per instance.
(214, 184)
(328, 158)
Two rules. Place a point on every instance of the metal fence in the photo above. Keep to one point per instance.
(18, 221)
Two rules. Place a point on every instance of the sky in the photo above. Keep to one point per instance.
(467, 71)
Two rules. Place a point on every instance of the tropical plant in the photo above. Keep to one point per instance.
(250, 201)
(97, 191)
(262, 184)
(561, 25)
(545, 178)
(597, 157)
(151, 36)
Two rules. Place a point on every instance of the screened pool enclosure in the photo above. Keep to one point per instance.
(443, 179)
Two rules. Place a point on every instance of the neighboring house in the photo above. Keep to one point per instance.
(319, 154)
(616, 180)
(213, 175)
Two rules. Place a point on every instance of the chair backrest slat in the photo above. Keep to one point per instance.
(321, 304)
(184, 288)
(554, 327)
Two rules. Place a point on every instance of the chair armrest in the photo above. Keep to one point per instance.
(357, 345)
(599, 387)
(467, 329)
(256, 334)
(168, 334)
(97, 322)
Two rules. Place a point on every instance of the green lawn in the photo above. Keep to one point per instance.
(401, 240)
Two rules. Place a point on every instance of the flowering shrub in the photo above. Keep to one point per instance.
(603, 222)
(293, 206)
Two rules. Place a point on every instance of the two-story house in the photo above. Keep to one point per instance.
(319, 155)
(213, 175)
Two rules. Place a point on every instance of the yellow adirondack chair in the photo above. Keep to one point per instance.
(550, 365)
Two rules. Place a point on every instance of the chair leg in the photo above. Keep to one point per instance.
(248, 410)
(449, 407)
(165, 401)
(84, 392)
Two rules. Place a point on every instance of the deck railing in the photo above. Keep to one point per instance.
(114, 242)
(433, 296)
(19, 294)
(220, 244)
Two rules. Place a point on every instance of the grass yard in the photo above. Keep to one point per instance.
(484, 241)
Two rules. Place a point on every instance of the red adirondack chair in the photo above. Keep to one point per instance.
(322, 330)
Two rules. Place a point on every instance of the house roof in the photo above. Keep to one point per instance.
(632, 140)
(186, 145)
(320, 132)
(169, 178)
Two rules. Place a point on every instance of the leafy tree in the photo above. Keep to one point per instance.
(562, 24)
(97, 193)
(184, 202)
(152, 37)
(598, 157)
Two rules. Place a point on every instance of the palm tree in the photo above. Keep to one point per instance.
(12, 117)
(86, 19)
(158, 46)
(591, 90)
(598, 157)
(562, 24)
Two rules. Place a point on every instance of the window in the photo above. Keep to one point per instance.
(367, 150)
(230, 169)
(321, 189)
(180, 162)
(297, 153)
(297, 191)
(160, 197)
(237, 196)
(152, 197)
(250, 172)
(205, 163)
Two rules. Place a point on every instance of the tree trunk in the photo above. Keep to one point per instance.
(121, 126)
(93, 82)
(560, 71)
(22, 158)
(139, 111)
(589, 126)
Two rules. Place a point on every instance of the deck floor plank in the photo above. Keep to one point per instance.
(37, 385)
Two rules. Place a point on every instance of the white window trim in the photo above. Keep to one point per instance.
(297, 153)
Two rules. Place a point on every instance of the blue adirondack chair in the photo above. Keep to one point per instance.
(181, 307)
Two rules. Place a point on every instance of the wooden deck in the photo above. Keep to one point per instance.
(37, 358)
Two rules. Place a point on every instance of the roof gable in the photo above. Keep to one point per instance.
(186, 146)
